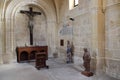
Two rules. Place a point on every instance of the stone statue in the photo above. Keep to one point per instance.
(86, 59)
(86, 64)
(69, 56)
(72, 51)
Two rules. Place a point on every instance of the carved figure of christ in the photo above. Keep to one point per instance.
(30, 15)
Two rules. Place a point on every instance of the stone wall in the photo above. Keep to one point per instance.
(112, 17)
(81, 29)
(82, 35)
(88, 31)
(21, 29)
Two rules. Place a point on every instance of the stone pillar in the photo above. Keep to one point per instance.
(1, 47)
(51, 33)
(98, 35)
(1, 32)
(8, 54)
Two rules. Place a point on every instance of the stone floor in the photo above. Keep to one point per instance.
(58, 70)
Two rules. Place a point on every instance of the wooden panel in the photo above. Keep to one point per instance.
(30, 51)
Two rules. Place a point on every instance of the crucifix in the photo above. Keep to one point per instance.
(30, 15)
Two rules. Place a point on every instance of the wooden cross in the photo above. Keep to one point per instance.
(30, 15)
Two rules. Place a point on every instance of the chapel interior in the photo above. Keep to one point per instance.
(45, 26)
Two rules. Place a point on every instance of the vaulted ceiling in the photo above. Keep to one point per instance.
(55, 4)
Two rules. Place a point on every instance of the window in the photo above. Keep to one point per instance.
(76, 3)
(73, 3)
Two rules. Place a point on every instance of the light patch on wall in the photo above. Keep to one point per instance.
(66, 30)
(71, 2)
(76, 2)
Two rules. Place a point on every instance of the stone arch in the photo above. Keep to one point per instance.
(10, 13)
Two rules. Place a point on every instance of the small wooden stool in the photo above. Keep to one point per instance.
(41, 60)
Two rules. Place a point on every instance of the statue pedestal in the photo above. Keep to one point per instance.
(86, 73)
